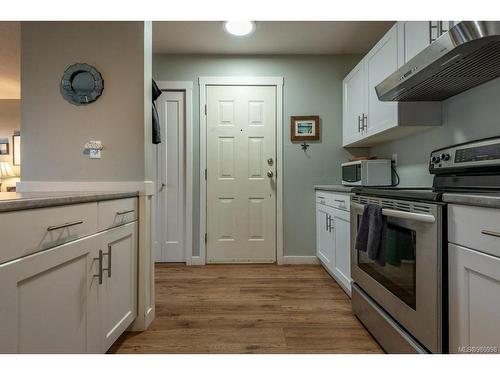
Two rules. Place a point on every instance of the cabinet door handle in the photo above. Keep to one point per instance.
(326, 221)
(99, 259)
(434, 25)
(330, 222)
(359, 123)
(365, 122)
(65, 225)
(109, 262)
(491, 233)
(120, 213)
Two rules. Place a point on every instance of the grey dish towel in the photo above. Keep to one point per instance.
(371, 231)
(156, 131)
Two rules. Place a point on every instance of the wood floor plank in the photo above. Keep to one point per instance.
(249, 309)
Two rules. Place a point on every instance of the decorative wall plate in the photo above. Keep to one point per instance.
(81, 84)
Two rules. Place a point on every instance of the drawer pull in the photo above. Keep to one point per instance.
(65, 225)
(491, 233)
(120, 213)
(340, 200)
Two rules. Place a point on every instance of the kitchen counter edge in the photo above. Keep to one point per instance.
(482, 200)
(336, 188)
(33, 200)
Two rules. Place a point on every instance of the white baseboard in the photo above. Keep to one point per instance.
(300, 259)
(144, 187)
(196, 261)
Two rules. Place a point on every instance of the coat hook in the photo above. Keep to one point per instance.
(304, 146)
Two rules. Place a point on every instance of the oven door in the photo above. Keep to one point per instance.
(406, 278)
(351, 174)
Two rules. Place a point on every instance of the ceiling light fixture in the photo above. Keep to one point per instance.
(239, 28)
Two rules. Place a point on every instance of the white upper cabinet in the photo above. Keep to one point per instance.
(414, 36)
(367, 121)
(353, 105)
(381, 62)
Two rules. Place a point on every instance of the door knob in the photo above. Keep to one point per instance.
(270, 174)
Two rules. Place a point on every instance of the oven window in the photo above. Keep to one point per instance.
(351, 173)
(396, 266)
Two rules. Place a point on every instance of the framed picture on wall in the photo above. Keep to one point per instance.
(304, 128)
(16, 149)
(4, 146)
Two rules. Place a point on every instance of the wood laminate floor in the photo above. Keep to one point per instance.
(249, 309)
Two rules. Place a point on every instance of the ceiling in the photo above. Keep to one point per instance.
(10, 60)
(269, 37)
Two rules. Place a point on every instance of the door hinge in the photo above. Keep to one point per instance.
(205, 109)
(205, 238)
(205, 174)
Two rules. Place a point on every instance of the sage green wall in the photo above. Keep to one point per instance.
(471, 115)
(312, 85)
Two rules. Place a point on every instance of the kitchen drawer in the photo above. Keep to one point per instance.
(117, 212)
(477, 228)
(26, 232)
(336, 200)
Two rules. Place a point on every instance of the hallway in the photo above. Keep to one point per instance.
(249, 309)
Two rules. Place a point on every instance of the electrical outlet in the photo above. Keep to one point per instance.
(395, 159)
(94, 154)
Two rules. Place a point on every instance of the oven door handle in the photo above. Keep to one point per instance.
(424, 218)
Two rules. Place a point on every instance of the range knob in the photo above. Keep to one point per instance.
(435, 159)
(445, 157)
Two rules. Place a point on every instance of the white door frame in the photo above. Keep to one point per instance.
(241, 81)
(187, 87)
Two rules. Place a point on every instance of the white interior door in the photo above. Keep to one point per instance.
(241, 152)
(171, 175)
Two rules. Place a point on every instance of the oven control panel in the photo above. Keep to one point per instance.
(484, 153)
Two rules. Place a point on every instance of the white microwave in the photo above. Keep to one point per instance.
(376, 172)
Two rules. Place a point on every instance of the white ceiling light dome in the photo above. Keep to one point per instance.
(239, 28)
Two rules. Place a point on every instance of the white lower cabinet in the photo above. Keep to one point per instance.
(119, 294)
(474, 287)
(342, 251)
(333, 236)
(50, 301)
(324, 236)
(78, 297)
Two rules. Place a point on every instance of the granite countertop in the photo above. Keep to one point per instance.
(30, 200)
(473, 199)
(337, 188)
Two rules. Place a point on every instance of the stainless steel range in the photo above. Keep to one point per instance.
(400, 299)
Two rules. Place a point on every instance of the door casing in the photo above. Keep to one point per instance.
(241, 81)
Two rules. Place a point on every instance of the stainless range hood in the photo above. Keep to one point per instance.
(464, 57)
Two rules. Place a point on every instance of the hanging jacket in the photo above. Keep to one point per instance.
(156, 119)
